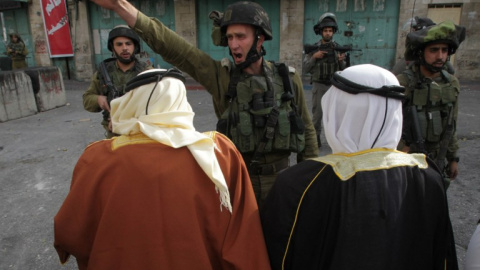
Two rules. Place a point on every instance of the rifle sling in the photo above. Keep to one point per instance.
(106, 77)
(445, 140)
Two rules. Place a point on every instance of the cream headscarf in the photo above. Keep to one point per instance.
(170, 122)
(352, 122)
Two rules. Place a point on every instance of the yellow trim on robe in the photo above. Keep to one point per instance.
(347, 165)
(123, 140)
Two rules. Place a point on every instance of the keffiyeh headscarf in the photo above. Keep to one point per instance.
(170, 122)
(357, 122)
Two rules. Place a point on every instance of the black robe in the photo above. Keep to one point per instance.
(392, 215)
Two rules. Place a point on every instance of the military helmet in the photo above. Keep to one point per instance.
(247, 13)
(326, 20)
(420, 23)
(15, 34)
(446, 32)
(123, 31)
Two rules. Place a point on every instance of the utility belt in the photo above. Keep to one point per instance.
(268, 169)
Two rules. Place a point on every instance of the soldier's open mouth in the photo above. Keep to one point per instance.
(237, 56)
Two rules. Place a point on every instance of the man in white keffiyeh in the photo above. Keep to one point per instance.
(367, 205)
(149, 199)
(357, 122)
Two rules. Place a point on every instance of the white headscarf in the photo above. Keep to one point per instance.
(170, 122)
(353, 122)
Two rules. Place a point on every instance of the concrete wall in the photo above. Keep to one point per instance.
(291, 33)
(185, 20)
(48, 87)
(467, 58)
(82, 40)
(25, 92)
(42, 58)
(466, 63)
(16, 96)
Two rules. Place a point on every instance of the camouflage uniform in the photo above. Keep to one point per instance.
(97, 87)
(215, 77)
(17, 52)
(434, 99)
(322, 69)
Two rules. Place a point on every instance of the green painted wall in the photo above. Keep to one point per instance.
(16, 20)
(102, 21)
(374, 25)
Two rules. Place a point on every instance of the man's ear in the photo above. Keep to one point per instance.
(260, 40)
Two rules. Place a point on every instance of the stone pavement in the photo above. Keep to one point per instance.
(38, 153)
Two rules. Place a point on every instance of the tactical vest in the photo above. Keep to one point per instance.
(118, 78)
(326, 66)
(246, 119)
(434, 102)
(20, 49)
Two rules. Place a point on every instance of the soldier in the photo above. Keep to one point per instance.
(433, 94)
(322, 64)
(113, 74)
(17, 51)
(418, 23)
(260, 104)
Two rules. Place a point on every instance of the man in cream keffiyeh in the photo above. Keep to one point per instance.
(149, 199)
(366, 206)
(170, 122)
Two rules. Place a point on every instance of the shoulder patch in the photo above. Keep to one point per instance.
(291, 69)
(225, 62)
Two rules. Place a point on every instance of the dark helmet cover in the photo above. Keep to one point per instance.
(326, 20)
(446, 32)
(247, 13)
(123, 31)
(421, 22)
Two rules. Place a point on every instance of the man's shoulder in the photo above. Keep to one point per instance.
(406, 77)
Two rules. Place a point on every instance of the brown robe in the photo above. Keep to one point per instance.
(137, 204)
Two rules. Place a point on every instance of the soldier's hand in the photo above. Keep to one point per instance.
(405, 149)
(452, 170)
(110, 126)
(108, 4)
(103, 103)
(320, 54)
(341, 56)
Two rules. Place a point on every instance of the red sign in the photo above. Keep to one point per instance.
(57, 28)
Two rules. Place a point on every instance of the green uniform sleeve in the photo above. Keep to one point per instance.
(24, 51)
(186, 57)
(309, 63)
(453, 145)
(311, 146)
(90, 97)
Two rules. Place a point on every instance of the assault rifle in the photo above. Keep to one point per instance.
(112, 92)
(415, 131)
(308, 48)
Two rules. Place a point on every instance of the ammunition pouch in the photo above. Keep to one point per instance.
(433, 103)
(246, 120)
